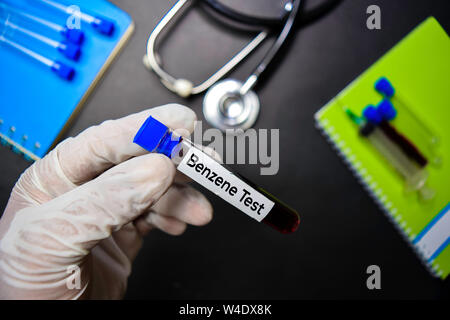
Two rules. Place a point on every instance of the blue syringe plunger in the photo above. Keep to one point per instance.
(75, 36)
(372, 115)
(103, 26)
(386, 109)
(70, 50)
(384, 86)
(63, 71)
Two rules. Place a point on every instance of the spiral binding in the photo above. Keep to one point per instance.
(372, 189)
(6, 139)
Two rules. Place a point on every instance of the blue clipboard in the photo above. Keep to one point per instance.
(35, 104)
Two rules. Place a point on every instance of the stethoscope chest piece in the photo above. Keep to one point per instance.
(225, 107)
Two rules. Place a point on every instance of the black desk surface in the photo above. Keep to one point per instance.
(342, 230)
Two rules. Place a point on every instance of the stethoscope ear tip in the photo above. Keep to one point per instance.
(183, 87)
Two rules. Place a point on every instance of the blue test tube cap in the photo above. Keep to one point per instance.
(63, 71)
(103, 26)
(386, 110)
(154, 136)
(372, 115)
(75, 36)
(70, 50)
(384, 86)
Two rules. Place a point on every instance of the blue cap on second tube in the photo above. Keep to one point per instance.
(372, 115)
(386, 109)
(73, 35)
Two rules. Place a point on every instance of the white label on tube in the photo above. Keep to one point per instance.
(216, 178)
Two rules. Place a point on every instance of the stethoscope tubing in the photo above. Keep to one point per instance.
(270, 55)
(168, 80)
(288, 20)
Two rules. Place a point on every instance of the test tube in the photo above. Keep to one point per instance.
(69, 50)
(63, 71)
(385, 87)
(75, 36)
(415, 176)
(236, 190)
(100, 24)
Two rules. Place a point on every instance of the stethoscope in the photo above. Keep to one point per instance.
(230, 103)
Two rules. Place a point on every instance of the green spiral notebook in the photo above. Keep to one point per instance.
(419, 68)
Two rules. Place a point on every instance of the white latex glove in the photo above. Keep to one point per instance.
(87, 204)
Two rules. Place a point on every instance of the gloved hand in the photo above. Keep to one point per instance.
(85, 207)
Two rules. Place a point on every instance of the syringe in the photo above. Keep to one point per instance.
(69, 50)
(236, 190)
(415, 176)
(75, 36)
(100, 24)
(426, 152)
(62, 70)
(385, 87)
(380, 117)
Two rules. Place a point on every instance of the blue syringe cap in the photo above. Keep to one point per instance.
(103, 26)
(384, 86)
(64, 71)
(386, 110)
(70, 50)
(75, 36)
(154, 136)
(372, 115)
